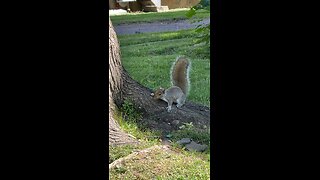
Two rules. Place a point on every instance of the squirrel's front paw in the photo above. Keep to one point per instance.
(168, 109)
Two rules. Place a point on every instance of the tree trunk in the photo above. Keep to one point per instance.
(116, 136)
(154, 114)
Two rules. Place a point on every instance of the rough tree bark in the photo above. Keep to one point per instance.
(116, 136)
(155, 116)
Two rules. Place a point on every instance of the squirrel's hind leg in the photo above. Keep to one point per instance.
(181, 101)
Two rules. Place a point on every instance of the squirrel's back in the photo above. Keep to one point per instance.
(180, 74)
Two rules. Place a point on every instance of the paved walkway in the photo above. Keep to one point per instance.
(157, 26)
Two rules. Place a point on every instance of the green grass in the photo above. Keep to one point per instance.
(148, 58)
(156, 16)
(159, 164)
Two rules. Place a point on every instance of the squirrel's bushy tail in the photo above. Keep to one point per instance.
(180, 74)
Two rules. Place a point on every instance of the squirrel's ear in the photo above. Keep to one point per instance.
(152, 94)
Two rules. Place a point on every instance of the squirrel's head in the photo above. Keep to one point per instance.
(158, 93)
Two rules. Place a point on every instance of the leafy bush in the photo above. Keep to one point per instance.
(202, 30)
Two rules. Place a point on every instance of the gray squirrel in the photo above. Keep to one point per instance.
(180, 81)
